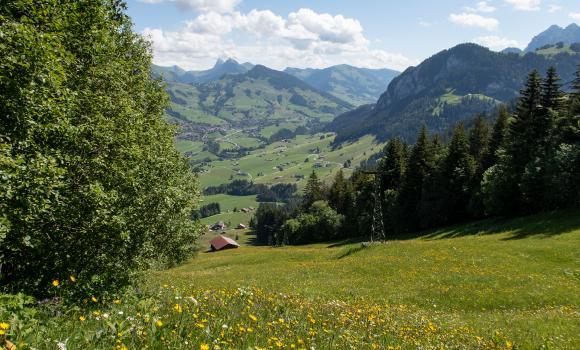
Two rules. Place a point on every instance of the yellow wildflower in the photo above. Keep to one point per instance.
(158, 323)
(117, 301)
(94, 299)
(4, 326)
(509, 345)
(177, 308)
(73, 278)
(254, 318)
(204, 346)
(82, 318)
(55, 283)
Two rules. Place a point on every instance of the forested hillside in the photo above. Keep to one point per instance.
(451, 86)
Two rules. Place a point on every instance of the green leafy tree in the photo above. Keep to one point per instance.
(92, 186)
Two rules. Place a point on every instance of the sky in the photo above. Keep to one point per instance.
(193, 34)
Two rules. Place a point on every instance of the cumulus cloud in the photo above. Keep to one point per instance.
(221, 6)
(304, 38)
(525, 5)
(575, 16)
(473, 20)
(495, 42)
(482, 6)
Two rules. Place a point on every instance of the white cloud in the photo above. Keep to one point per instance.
(495, 42)
(482, 6)
(575, 16)
(525, 5)
(473, 20)
(221, 6)
(554, 8)
(304, 38)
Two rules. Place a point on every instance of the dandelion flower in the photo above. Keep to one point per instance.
(204, 346)
(55, 283)
(158, 323)
(177, 308)
(82, 318)
(252, 317)
(94, 299)
(4, 326)
(73, 278)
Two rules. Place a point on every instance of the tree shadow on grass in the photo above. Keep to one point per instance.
(543, 225)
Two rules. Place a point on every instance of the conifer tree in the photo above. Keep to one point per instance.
(523, 132)
(498, 136)
(340, 196)
(569, 123)
(420, 165)
(314, 191)
(457, 172)
(479, 139)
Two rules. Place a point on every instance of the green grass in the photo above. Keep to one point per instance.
(495, 284)
(520, 276)
(228, 202)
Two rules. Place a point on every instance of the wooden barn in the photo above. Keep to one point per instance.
(223, 242)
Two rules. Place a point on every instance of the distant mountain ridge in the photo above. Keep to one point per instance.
(250, 98)
(355, 85)
(176, 74)
(351, 84)
(453, 85)
(553, 35)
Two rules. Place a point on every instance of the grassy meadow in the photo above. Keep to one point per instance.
(495, 284)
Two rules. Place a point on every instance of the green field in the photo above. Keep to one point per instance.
(496, 284)
(284, 162)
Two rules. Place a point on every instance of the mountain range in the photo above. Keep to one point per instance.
(352, 84)
(251, 98)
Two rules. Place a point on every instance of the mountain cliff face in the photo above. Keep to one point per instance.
(554, 35)
(355, 85)
(452, 85)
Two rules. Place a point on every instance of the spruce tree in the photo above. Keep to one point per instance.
(390, 171)
(314, 191)
(457, 173)
(552, 95)
(479, 139)
(568, 123)
(420, 165)
(392, 165)
(498, 136)
(523, 132)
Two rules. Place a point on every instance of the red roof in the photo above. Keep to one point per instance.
(221, 242)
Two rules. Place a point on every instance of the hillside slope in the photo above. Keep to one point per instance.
(355, 85)
(517, 277)
(452, 85)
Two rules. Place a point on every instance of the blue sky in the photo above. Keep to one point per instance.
(320, 33)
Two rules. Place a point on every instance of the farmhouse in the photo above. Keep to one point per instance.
(223, 242)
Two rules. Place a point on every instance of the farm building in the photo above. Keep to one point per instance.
(241, 227)
(223, 242)
(219, 226)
